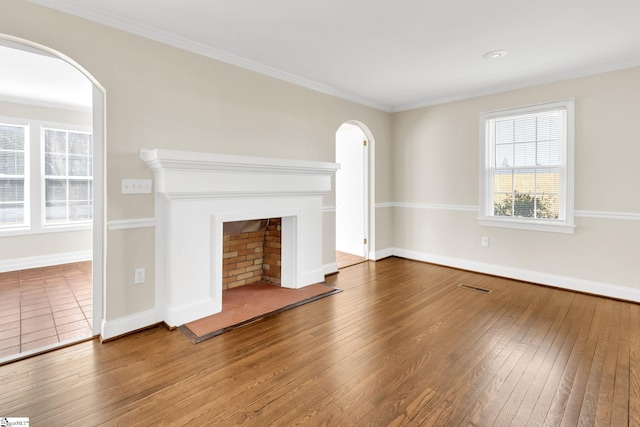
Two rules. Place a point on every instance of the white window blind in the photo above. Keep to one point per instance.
(12, 175)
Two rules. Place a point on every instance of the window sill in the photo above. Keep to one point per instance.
(532, 225)
(27, 231)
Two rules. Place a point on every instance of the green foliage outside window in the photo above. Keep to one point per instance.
(525, 205)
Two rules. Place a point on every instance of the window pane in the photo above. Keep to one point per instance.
(523, 205)
(525, 129)
(503, 181)
(504, 155)
(524, 180)
(56, 211)
(11, 162)
(548, 126)
(548, 154)
(56, 190)
(504, 132)
(79, 143)
(547, 206)
(55, 164)
(502, 204)
(11, 214)
(11, 190)
(78, 165)
(525, 154)
(55, 141)
(12, 137)
(80, 211)
(79, 190)
(547, 181)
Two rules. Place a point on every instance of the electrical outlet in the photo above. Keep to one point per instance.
(485, 241)
(138, 276)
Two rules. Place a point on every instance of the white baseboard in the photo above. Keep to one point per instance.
(114, 328)
(330, 268)
(564, 282)
(384, 253)
(310, 277)
(44, 260)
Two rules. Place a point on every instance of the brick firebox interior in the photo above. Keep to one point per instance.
(252, 256)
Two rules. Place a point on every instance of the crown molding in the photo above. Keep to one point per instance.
(82, 11)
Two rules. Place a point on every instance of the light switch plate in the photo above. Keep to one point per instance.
(136, 186)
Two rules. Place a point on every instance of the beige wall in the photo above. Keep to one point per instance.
(163, 97)
(435, 162)
(44, 246)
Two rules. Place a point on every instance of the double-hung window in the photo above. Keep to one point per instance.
(13, 176)
(526, 168)
(46, 177)
(68, 172)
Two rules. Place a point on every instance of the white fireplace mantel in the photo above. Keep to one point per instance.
(187, 174)
(197, 192)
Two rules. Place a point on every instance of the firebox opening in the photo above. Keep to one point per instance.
(252, 252)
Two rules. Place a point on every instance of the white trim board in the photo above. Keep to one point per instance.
(127, 224)
(125, 325)
(627, 216)
(44, 260)
(330, 268)
(563, 282)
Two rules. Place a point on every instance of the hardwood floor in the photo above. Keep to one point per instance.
(402, 345)
(344, 259)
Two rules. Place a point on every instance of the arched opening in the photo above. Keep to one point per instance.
(53, 193)
(354, 217)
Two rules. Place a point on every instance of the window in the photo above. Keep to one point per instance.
(67, 176)
(46, 181)
(12, 175)
(527, 167)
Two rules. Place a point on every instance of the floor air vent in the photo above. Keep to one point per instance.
(474, 288)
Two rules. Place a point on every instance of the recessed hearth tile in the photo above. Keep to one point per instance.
(38, 335)
(64, 320)
(33, 273)
(35, 313)
(75, 334)
(9, 277)
(9, 342)
(54, 271)
(39, 343)
(43, 319)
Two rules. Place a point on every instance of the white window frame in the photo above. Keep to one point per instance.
(34, 179)
(43, 176)
(565, 222)
(27, 175)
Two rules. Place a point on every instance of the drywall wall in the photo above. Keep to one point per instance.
(435, 188)
(158, 96)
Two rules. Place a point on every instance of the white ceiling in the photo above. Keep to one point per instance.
(39, 79)
(392, 55)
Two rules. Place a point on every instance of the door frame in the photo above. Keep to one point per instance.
(369, 188)
(99, 182)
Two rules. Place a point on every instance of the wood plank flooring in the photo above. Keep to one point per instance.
(344, 259)
(402, 345)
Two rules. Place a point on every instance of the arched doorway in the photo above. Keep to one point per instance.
(353, 217)
(86, 155)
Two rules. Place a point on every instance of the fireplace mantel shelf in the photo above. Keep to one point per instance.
(160, 159)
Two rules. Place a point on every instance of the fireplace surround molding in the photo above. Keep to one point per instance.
(196, 193)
